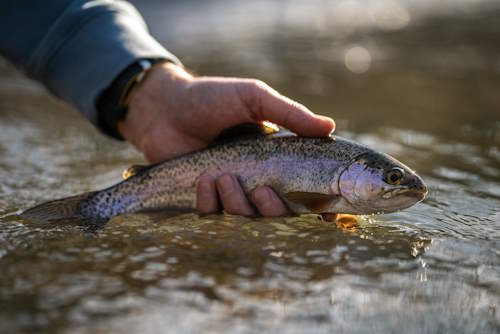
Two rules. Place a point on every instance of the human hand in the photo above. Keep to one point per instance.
(172, 113)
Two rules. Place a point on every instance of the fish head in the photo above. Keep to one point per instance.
(377, 183)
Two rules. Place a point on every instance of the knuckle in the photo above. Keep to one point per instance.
(259, 85)
(205, 184)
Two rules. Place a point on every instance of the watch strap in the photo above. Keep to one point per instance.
(112, 104)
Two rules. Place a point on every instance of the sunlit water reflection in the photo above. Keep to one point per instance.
(430, 100)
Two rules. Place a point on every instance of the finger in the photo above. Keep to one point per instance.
(268, 203)
(206, 196)
(232, 197)
(267, 104)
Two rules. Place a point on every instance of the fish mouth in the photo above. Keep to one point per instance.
(400, 198)
(388, 194)
(419, 193)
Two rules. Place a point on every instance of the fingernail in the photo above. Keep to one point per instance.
(327, 119)
(226, 183)
(334, 125)
(262, 197)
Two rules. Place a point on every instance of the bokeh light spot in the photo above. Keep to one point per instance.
(358, 59)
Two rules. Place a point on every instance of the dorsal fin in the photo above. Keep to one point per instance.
(248, 130)
(134, 170)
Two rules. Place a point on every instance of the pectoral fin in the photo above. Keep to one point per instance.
(316, 202)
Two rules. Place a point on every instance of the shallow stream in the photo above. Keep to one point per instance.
(418, 81)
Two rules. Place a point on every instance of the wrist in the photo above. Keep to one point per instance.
(149, 101)
(112, 104)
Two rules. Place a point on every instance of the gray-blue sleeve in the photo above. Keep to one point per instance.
(75, 48)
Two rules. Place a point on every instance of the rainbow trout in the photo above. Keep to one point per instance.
(311, 175)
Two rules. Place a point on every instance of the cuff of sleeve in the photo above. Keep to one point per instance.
(87, 48)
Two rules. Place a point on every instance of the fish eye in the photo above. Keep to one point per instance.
(394, 176)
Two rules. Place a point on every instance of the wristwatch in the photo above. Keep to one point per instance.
(112, 104)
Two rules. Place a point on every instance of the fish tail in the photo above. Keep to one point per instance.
(66, 208)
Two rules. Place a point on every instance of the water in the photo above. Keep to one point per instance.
(418, 81)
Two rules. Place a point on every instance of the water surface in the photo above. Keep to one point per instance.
(418, 81)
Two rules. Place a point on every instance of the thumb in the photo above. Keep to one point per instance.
(266, 104)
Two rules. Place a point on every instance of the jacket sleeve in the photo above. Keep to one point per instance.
(75, 47)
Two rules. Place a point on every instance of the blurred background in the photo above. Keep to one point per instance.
(405, 64)
(419, 80)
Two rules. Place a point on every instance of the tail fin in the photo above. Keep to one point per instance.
(66, 208)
